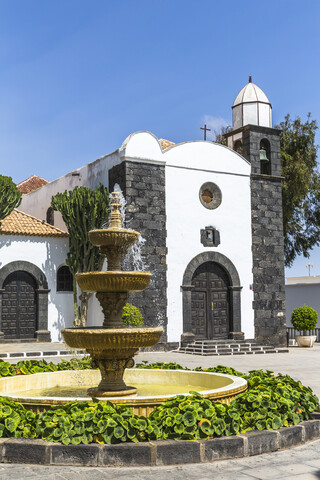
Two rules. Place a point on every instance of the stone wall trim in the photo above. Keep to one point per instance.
(171, 452)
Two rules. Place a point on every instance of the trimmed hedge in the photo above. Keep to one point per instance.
(131, 316)
(304, 318)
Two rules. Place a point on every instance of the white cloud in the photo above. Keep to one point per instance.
(215, 124)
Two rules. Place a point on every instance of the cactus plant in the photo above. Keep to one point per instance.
(82, 209)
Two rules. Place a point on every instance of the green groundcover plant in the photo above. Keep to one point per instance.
(270, 402)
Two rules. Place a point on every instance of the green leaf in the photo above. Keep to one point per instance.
(276, 422)
(189, 419)
(261, 425)
(11, 424)
(118, 432)
(206, 427)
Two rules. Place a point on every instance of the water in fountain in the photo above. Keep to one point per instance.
(123, 204)
(134, 259)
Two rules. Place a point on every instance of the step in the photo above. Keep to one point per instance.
(204, 350)
(225, 341)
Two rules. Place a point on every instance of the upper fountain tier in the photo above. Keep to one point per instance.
(115, 240)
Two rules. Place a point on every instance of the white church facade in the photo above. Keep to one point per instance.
(211, 216)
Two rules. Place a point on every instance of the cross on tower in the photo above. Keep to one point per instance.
(205, 130)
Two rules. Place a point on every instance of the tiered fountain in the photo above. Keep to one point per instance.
(112, 347)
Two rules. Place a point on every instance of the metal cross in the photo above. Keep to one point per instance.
(205, 130)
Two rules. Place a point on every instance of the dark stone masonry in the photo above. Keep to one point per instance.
(143, 186)
(268, 264)
(267, 237)
(157, 453)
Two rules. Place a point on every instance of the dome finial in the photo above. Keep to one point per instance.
(250, 79)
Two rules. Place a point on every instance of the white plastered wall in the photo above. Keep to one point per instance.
(188, 166)
(37, 203)
(48, 254)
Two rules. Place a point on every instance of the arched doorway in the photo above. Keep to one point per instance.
(210, 302)
(211, 297)
(19, 306)
(23, 302)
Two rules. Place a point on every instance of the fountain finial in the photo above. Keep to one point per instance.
(115, 216)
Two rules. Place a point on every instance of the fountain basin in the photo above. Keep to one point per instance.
(107, 340)
(112, 350)
(113, 236)
(115, 281)
(215, 386)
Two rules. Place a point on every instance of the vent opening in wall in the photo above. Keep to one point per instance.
(210, 195)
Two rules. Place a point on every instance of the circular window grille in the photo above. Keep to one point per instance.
(210, 195)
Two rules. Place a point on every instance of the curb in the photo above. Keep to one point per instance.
(167, 452)
(42, 354)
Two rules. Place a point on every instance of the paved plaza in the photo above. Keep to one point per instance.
(297, 463)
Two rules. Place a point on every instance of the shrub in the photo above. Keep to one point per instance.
(304, 318)
(131, 316)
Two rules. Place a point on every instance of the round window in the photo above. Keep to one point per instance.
(210, 195)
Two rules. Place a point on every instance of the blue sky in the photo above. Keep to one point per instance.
(78, 76)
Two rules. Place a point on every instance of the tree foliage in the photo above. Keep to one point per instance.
(10, 196)
(219, 135)
(300, 188)
(82, 209)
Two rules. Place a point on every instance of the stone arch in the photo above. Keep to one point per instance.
(235, 289)
(42, 334)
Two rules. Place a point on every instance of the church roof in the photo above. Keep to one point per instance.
(165, 143)
(20, 223)
(30, 184)
(250, 93)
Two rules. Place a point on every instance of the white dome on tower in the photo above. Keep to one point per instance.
(251, 107)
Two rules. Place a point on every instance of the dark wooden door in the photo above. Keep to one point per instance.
(19, 306)
(210, 302)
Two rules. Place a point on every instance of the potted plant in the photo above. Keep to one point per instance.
(303, 319)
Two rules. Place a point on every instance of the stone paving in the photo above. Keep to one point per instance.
(297, 463)
(300, 463)
(300, 363)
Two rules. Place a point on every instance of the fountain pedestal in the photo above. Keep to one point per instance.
(112, 351)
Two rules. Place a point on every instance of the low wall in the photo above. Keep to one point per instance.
(158, 453)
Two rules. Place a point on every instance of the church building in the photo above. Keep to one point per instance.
(211, 216)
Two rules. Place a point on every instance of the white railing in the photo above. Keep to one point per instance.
(291, 333)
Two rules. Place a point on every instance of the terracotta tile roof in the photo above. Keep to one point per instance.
(165, 143)
(20, 223)
(32, 183)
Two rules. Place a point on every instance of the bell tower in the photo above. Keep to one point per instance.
(253, 137)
